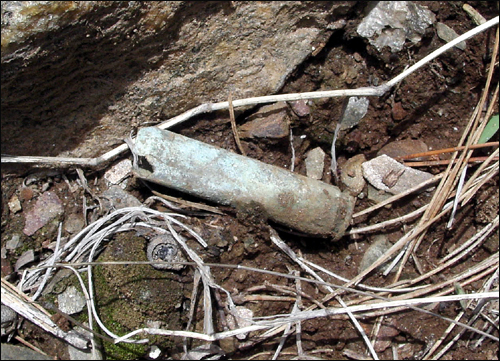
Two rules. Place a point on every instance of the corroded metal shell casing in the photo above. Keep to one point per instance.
(218, 175)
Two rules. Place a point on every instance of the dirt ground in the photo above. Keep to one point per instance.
(433, 105)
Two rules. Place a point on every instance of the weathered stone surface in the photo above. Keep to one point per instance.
(376, 250)
(116, 197)
(315, 163)
(271, 121)
(77, 76)
(47, 207)
(448, 34)
(300, 107)
(386, 174)
(71, 301)
(352, 174)
(404, 147)
(118, 172)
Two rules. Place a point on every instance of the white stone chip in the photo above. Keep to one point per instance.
(243, 319)
(119, 171)
(71, 301)
(315, 163)
(378, 173)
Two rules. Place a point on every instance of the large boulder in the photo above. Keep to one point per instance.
(78, 76)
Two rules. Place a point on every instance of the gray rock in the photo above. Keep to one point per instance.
(115, 197)
(315, 163)
(47, 207)
(448, 34)
(386, 174)
(14, 242)
(119, 171)
(74, 223)
(14, 204)
(355, 111)
(378, 195)
(26, 257)
(239, 318)
(71, 301)
(9, 316)
(391, 23)
(12, 352)
(80, 76)
(270, 121)
(376, 250)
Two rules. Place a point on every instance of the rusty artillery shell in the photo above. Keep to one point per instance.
(218, 175)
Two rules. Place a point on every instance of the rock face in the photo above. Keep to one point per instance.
(77, 76)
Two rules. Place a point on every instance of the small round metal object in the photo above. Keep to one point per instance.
(165, 248)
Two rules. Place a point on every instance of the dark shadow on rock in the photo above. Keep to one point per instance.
(57, 85)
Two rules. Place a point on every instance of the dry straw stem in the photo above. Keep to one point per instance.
(447, 150)
(448, 182)
(233, 126)
(210, 107)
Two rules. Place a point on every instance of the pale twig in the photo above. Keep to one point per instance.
(431, 163)
(27, 308)
(201, 206)
(289, 252)
(474, 241)
(298, 325)
(49, 270)
(333, 165)
(306, 315)
(471, 183)
(388, 223)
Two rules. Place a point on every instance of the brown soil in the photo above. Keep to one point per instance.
(435, 104)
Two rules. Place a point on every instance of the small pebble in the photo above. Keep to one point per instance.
(14, 204)
(474, 14)
(119, 171)
(376, 250)
(352, 174)
(47, 207)
(448, 34)
(398, 113)
(71, 301)
(243, 319)
(26, 194)
(14, 242)
(404, 147)
(270, 121)
(315, 163)
(26, 257)
(300, 108)
(74, 223)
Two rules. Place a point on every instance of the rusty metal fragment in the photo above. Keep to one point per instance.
(215, 174)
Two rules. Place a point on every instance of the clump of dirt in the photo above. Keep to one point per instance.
(433, 105)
